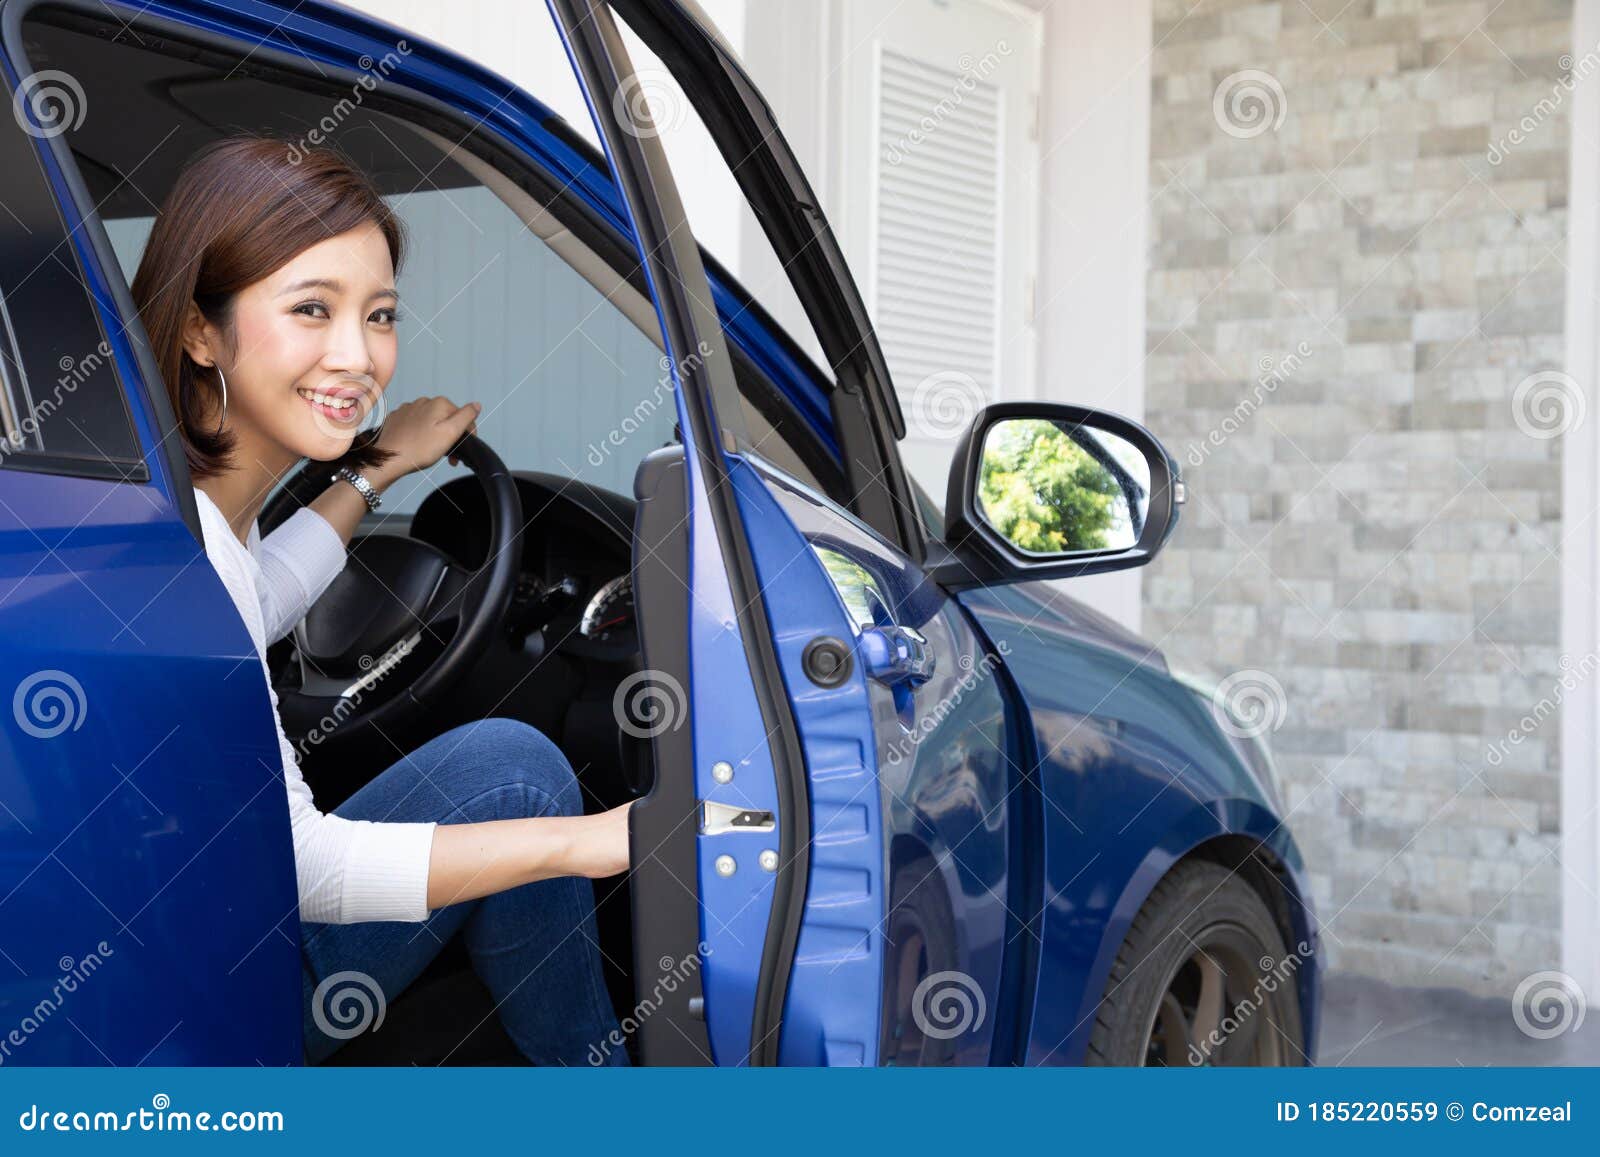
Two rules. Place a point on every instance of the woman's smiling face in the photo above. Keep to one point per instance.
(314, 347)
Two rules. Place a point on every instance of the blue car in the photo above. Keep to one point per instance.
(900, 798)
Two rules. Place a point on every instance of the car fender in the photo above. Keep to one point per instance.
(1202, 825)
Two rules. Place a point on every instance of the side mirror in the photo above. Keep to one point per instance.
(1043, 490)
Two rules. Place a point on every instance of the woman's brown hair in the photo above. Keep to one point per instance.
(243, 207)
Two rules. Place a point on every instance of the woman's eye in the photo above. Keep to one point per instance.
(305, 305)
(386, 316)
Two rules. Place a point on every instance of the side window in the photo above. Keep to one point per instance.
(508, 295)
(62, 407)
(570, 376)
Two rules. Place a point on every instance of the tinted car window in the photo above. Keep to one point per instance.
(61, 401)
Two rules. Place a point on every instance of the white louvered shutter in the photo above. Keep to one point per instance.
(937, 250)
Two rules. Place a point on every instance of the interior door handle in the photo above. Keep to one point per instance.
(895, 655)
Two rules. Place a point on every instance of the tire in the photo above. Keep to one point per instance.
(920, 942)
(1202, 954)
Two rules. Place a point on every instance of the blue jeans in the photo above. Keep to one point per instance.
(534, 946)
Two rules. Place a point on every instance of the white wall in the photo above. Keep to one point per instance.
(1096, 159)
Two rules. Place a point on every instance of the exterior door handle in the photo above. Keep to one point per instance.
(897, 655)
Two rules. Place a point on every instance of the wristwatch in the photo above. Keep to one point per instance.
(363, 487)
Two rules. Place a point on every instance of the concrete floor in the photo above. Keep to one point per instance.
(1370, 1022)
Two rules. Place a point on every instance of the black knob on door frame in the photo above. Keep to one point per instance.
(827, 661)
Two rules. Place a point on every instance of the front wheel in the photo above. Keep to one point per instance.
(1202, 979)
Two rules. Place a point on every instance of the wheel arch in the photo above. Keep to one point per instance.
(1243, 836)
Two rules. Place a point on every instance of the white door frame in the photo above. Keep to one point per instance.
(1580, 547)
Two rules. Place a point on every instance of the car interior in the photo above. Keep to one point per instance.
(516, 294)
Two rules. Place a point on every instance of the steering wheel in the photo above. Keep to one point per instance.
(394, 593)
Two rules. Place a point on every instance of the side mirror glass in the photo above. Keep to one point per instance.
(1050, 490)
(1054, 489)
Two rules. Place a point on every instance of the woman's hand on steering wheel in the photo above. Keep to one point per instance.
(421, 431)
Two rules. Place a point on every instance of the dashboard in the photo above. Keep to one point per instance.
(575, 583)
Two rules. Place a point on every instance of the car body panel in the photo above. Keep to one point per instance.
(946, 773)
(139, 783)
(1135, 774)
(831, 1015)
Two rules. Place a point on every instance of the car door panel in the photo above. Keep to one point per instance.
(944, 801)
(143, 821)
(831, 1016)
(139, 787)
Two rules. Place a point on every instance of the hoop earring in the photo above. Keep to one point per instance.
(224, 415)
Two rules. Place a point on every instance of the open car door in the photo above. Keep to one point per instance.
(761, 839)
(792, 828)
(716, 919)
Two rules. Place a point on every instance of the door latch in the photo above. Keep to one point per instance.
(719, 818)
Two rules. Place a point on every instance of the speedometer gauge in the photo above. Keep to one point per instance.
(609, 610)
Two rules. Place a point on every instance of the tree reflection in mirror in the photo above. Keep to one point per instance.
(1054, 489)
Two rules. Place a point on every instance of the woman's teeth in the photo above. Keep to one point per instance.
(332, 405)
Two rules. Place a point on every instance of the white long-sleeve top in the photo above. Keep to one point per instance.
(348, 870)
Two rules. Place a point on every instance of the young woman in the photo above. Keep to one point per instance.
(268, 291)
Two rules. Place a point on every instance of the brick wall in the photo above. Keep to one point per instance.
(1357, 258)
